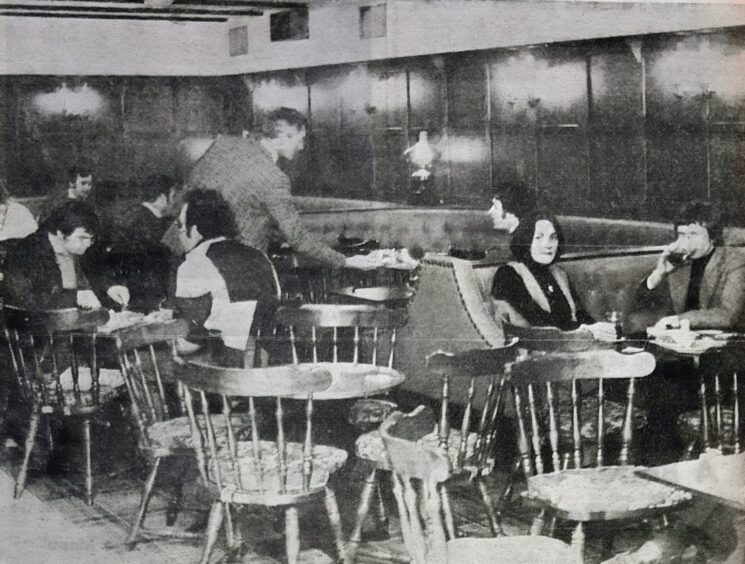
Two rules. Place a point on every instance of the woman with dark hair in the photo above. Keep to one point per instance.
(532, 290)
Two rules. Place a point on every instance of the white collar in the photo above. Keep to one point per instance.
(269, 149)
(57, 246)
(156, 212)
(204, 245)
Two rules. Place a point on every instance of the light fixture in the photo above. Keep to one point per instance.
(421, 155)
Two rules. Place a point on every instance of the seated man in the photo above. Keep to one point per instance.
(221, 280)
(43, 270)
(697, 279)
(142, 260)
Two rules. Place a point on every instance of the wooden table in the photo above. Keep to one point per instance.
(720, 478)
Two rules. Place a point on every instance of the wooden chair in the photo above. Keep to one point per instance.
(552, 436)
(272, 472)
(419, 474)
(42, 345)
(156, 406)
(360, 334)
(470, 453)
(717, 422)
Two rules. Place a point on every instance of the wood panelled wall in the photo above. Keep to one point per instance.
(134, 130)
(618, 128)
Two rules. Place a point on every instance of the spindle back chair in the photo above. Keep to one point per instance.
(419, 473)
(267, 469)
(470, 453)
(600, 479)
(42, 345)
(145, 355)
(373, 326)
(717, 423)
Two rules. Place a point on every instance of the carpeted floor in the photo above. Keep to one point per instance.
(51, 523)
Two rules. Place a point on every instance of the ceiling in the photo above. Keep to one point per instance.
(165, 10)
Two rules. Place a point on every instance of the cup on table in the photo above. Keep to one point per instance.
(616, 318)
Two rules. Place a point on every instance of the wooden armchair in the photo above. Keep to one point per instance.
(44, 345)
(266, 469)
(419, 473)
(470, 452)
(552, 437)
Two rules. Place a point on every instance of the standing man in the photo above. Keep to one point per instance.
(244, 170)
(697, 279)
(43, 270)
(222, 285)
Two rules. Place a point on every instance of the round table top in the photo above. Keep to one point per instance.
(351, 380)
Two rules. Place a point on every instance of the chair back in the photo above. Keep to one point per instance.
(358, 333)
(474, 364)
(145, 354)
(43, 345)
(548, 393)
(263, 465)
(420, 508)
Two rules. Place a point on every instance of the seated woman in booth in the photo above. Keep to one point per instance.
(532, 291)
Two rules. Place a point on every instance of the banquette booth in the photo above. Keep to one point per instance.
(451, 309)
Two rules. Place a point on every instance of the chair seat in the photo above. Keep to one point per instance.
(175, 434)
(689, 424)
(520, 549)
(605, 493)
(369, 446)
(370, 411)
(264, 476)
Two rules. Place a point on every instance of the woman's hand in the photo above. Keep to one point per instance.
(120, 294)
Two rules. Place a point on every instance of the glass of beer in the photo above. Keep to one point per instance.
(678, 257)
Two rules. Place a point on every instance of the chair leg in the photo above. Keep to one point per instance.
(147, 492)
(578, 543)
(382, 512)
(332, 509)
(495, 518)
(539, 522)
(88, 461)
(174, 502)
(33, 426)
(446, 509)
(292, 535)
(213, 528)
(362, 510)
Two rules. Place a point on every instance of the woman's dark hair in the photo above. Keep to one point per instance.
(522, 238)
(705, 215)
(71, 215)
(81, 168)
(155, 185)
(212, 215)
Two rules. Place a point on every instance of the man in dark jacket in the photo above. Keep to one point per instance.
(43, 271)
(142, 260)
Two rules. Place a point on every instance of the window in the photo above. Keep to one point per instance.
(289, 25)
(372, 21)
(238, 41)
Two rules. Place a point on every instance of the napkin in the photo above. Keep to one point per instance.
(106, 377)
(233, 321)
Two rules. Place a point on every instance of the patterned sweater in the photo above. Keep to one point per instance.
(259, 193)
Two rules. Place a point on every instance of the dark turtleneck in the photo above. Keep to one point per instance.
(698, 266)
